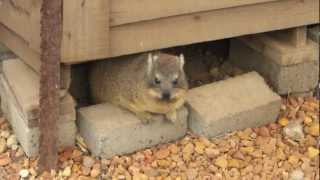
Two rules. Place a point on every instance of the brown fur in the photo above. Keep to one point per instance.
(128, 83)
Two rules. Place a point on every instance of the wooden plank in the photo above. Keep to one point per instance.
(129, 11)
(85, 29)
(213, 25)
(20, 47)
(15, 14)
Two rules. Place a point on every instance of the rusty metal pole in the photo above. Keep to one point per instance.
(51, 35)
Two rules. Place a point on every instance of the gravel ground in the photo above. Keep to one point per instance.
(287, 149)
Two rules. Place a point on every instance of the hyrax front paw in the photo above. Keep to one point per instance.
(172, 116)
(144, 117)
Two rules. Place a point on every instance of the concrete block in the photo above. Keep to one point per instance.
(236, 103)
(27, 136)
(314, 33)
(300, 75)
(25, 85)
(109, 130)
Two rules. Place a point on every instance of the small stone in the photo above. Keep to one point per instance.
(5, 133)
(4, 160)
(293, 159)
(187, 152)
(313, 129)
(163, 163)
(294, 131)
(280, 154)
(162, 153)
(24, 173)
(66, 172)
(212, 153)
(234, 163)
(11, 141)
(88, 161)
(19, 152)
(247, 150)
(297, 175)
(95, 172)
(307, 120)
(3, 145)
(174, 149)
(264, 131)
(221, 162)
(283, 121)
(199, 147)
(192, 173)
(85, 170)
(312, 152)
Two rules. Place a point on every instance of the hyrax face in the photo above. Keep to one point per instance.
(166, 77)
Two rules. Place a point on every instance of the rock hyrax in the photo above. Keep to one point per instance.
(145, 84)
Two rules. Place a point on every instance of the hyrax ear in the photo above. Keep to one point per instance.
(181, 61)
(150, 63)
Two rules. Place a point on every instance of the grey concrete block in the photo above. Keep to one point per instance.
(25, 85)
(236, 103)
(27, 136)
(109, 130)
(294, 78)
(314, 33)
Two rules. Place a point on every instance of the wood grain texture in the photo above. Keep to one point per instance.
(85, 29)
(129, 11)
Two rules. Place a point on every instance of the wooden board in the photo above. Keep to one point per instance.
(94, 40)
(20, 47)
(212, 25)
(129, 11)
(85, 29)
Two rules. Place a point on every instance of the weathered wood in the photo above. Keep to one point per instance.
(85, 29)
(51, 38)
(20, 47)
(15, 14)
(212, 25)
(129, 11)
(230, 21)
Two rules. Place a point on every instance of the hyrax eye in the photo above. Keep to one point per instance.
(175, 82)
(156, 80)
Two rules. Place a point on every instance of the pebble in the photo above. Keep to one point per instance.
(294, 131)
(12, 141)
(88, 161)
(162, 153)
(221, 162)
(212, 153)
(293, 159)
(283, 121)
(173, 148)
(4, 160)
(66, 172)
(313, 129)
(3, 145)
(312, 152)
(5, 133)
(307, 120)
(297, 175)
(264, 132)
(23, 173)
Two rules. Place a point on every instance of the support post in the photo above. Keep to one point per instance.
(51, 35)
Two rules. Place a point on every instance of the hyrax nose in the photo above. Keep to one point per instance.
(166, 96)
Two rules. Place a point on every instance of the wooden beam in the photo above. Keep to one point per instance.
(15, 14)
(211, 25)
(20, 47)
(130, 11)
(85, 29)
(51, 37)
